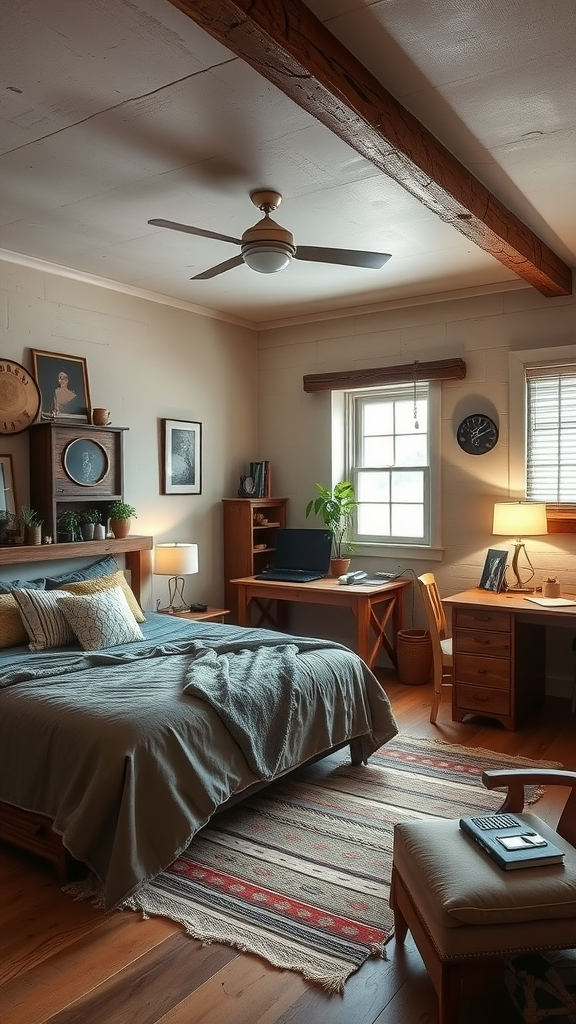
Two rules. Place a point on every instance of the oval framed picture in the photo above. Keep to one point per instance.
(86, 462)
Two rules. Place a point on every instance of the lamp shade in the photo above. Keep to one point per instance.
(519, 519)
(175, 559)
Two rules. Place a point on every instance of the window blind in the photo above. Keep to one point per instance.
(551, 433)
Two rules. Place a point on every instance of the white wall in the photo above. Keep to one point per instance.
(146, 361)
(294, 427)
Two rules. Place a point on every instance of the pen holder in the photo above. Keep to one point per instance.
(551, 588)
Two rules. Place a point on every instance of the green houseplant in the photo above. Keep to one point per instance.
(336, 507)
(120, 514)
(32, 524)
(88, 519)
(68, 525)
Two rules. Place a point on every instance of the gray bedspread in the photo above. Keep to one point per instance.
(131, 750)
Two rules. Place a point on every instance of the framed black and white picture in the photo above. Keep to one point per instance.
(181, 457)
(7, 493)
(494, 568)
(63, 383)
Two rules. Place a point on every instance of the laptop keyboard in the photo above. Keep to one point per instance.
(290, 575)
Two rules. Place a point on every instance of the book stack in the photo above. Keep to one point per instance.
(258, 482)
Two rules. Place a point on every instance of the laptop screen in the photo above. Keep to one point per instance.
(303, 549)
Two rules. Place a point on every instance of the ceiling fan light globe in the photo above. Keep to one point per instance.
(266, 259)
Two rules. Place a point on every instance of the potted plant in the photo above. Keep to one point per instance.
(32, 524)
(88, 519)
(8, 526)
(68, 526)
(121, 515)
(336, 508)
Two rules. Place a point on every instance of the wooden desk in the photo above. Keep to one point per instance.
(499, 650)
(374, 608)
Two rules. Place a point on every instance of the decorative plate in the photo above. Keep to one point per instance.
(85, 461)
(19, 397)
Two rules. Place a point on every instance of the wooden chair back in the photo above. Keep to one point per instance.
(441, 646)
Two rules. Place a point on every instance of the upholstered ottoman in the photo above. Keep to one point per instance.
(463, 909)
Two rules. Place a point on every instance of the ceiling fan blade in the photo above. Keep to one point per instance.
(343, 257)
(158, 222)
(221, 268)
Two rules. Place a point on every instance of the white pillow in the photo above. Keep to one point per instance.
(100, 620)
(43, 619)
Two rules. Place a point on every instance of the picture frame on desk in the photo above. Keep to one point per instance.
(63, 383)
(492, 577)
(181, 457)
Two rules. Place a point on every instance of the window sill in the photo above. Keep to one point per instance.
(402, 551)
(561, 518)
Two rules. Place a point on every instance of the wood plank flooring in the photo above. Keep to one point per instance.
(64, 962)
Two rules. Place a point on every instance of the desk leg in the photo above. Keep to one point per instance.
(379, 621)
(243, 604)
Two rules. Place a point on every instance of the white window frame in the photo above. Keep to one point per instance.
(517, 448)
(342, 446)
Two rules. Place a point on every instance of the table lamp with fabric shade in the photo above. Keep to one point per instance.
(520, 519)
(176, 561)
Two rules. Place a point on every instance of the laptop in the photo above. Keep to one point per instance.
(300, 557)
(511, 842)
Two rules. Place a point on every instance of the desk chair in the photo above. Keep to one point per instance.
(463, 910)
(442, 665)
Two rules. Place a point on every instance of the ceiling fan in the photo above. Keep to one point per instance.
(267, 247)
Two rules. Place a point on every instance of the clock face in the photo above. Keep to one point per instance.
(477, 434)
(19, 397)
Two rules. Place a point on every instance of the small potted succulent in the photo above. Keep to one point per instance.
(68, 526)
(88, 519)
(121, 515)
(32, 524)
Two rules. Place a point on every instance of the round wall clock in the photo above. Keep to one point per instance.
(477, 434)
(85, 461)
(19, 397)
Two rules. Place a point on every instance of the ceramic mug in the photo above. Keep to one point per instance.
(100, 417)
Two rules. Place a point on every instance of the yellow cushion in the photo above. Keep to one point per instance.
(116, 579)
(12, 630)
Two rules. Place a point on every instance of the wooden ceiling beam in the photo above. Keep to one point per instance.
(291, 48)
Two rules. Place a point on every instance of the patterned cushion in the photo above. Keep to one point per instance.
(91, 572)
(7, 586)
(100, 620)
(12, 630)
(116, 579)
(42, 618)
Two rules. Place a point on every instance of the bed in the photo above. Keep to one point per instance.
(118, 754)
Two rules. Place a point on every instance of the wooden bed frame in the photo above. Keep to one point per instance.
(26, 829)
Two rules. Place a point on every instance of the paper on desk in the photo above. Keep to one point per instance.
(552, 602)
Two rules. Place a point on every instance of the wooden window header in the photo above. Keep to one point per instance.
(409, 373)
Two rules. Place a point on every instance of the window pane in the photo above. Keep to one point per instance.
(407, 486)
(405, 419)
(378, 451)
(378, 418)
(373, 487)
(412, 451)
(407, 520)
(374, 520)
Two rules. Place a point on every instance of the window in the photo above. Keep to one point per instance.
(551, 433)
(389, 462)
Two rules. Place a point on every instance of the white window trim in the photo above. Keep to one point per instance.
(433, 551)
(517, 362)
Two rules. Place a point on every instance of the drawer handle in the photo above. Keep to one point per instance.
(481, 699)
(482, 618)
(482, 671)
(481, 640)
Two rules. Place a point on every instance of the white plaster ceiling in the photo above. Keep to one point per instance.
(113, 112)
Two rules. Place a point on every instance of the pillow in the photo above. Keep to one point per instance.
(12, 629)
(91, 572)
(7, 586)
(100, 620)
(42, 618)
(116, 579)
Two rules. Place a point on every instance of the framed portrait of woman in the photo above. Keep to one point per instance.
(63, 383)
(494, 568)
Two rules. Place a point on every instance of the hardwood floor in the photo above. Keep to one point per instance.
(65, 962)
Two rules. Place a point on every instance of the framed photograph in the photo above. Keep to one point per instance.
(63, 383)
(181, 457)
(7, 492)
(494, 568)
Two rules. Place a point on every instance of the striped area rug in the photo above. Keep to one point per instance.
(300, 873)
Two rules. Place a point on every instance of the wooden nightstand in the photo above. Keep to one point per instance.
(211, 614)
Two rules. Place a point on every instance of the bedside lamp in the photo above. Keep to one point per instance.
(520, 519)
(176, 561)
